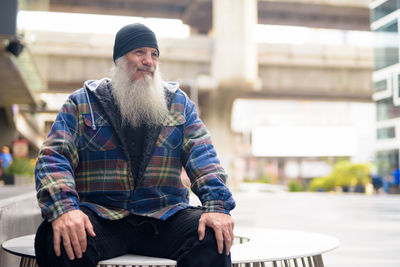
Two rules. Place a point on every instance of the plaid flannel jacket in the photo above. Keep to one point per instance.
(82, 162)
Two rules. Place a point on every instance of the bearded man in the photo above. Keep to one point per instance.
(108, 174)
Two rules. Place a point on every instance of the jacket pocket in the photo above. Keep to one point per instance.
(171, 134)
(102, 138)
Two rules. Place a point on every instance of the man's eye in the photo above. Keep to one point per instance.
(139, 52)
(155, 54)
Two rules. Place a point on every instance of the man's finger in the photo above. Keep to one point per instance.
(201, 229)
(82, 233)
(89, 227)
(220, 240)
(56, 243)
(67, 246)
(82, 240)
(76, 245)
(231, 234)
(228, 241)
(231, 227)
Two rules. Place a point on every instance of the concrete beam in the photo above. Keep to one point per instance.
(308, 81)
(314, 15)
(72, 59)
(27, 127)
(342, 3)
(198, 15)
(343, 14)
(322, 56)
(153, 8)
(13, 89)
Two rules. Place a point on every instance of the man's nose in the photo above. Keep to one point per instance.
(147, 59)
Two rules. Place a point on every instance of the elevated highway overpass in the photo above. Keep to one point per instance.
(334, 14)
(285, 70)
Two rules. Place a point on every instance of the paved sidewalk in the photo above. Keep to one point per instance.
(7, 191)
(368, 226)
(19, 215)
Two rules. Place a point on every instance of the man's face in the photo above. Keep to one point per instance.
(142, 61)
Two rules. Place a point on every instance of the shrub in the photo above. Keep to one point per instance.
(317, 184)
(265, 179)
(322, 184)
(348, 174)
(296, 186)
(21, 166)
(344, 173)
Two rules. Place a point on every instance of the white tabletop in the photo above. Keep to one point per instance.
(22, 246)
(265, 245)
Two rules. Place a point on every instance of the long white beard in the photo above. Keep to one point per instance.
(140, 102)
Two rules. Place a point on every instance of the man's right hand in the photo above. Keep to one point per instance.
(71, 227)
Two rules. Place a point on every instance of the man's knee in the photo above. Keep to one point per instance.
(46, 257)
(43, 244)
(210, 240)
(204, 253)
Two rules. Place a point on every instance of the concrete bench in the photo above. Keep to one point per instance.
(253, 247)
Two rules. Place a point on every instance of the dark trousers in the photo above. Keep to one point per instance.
(176, 238)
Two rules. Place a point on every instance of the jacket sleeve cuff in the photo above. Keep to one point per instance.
(218, 206)
(59, 208)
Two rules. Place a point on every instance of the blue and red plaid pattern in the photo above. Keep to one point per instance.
(80, 165)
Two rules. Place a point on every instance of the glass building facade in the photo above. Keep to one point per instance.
(385, 19)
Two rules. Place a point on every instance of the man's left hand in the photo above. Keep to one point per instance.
(222, 224)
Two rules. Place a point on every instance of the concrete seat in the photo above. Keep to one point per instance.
(252, 247)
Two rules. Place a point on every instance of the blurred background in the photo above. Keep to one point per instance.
(299, 95)
(285, 87)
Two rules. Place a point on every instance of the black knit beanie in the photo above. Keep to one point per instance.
(133, 36)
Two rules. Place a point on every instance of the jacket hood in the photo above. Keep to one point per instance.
(171, 86)
(92, 85)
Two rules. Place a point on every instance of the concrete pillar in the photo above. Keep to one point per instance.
(234, 68)
(234, 59)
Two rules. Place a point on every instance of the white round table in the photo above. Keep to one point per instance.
(287, 247)
(253, 247)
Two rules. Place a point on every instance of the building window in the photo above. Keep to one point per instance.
(385, 110)
(386, 50)
(385, 133)
(385, 9)
(380, 86)
(386, 160)
(398, 86)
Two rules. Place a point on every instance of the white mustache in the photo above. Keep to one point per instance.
(150, 69)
